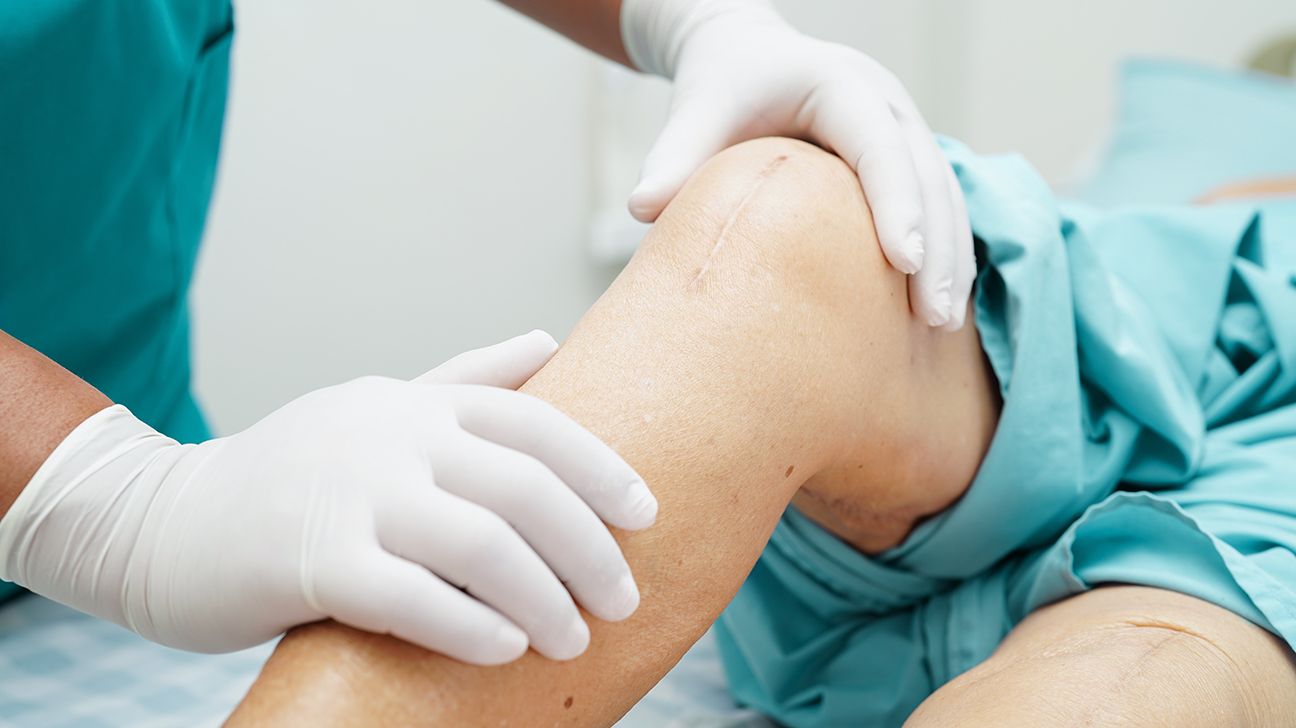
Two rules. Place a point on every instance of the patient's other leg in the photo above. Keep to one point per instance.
(1124, 656)
(757, 342)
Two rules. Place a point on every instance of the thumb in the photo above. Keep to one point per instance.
(695, 131)
(507, 364)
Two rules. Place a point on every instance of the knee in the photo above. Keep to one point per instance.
(1125, 655)
(1163, 662)
(781, 209)
(1114, 675)
(805, 176)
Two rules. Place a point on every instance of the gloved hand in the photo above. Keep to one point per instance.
(741, 72)
(372, 502)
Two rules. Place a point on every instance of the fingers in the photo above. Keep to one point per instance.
(585, 463)
(381, 593)
(964, 254)
(507, 364)
(561, 528)
(695, 131)
(475, 549)
(861, 129)
(931, 294)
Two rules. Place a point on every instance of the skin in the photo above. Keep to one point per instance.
(857, 461)
(595, 24)
(758, 342)
(40, 403)
(1124, 656)
(1251, 190)
(753, 352)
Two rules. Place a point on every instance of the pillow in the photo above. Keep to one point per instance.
(1183, 130)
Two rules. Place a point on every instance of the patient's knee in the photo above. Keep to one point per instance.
(772, 208)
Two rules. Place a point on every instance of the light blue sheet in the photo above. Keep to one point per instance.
(60, 668)
(1183, 129)
(1147, 361)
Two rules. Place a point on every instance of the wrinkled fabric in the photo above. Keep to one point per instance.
(109, 141)
(1147, 361)
(108, 145)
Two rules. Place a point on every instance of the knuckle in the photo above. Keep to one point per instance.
(609, 569)
(367, 388)
(534, 486)
(896, 217)
(884, 153)
(600, 563)
(551, 615)
(486, 536)
(935, 284)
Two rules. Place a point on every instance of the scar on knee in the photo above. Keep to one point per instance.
(1175, 628)
(756, 184)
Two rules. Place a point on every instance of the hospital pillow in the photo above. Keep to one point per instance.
(1183, 130)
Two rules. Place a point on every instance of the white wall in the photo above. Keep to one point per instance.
(1038, 76)
(404, 179)
(401, 180)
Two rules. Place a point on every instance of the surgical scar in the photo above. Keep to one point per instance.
(756, 184)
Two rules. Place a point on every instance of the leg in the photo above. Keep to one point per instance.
(757, 342)
(1124, 656)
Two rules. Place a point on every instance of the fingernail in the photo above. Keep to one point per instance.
(912, 253)
(511, 641)
(574, 641)
(956, 320)
(941, 308)
(641, 204)
(628, 601)
(642, 509)
(541, 335)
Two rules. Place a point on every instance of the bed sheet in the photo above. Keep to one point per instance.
(60, 668)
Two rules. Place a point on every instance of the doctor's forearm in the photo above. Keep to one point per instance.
(40, 403)
(595, 24)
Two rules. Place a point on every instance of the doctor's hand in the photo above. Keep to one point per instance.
(741, 72)
(450, 511)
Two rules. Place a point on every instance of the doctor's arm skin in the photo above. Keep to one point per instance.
(758, 344)
(40, 403)
(595, 24)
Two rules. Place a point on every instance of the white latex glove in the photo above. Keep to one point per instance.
(741, 72)
(373, 502)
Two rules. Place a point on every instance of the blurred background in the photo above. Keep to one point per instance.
(405, 179)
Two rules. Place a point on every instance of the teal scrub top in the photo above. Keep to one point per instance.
(110, 126)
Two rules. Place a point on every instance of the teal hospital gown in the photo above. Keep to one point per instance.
(1147, 361)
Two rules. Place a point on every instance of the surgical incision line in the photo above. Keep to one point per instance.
(764, 174)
